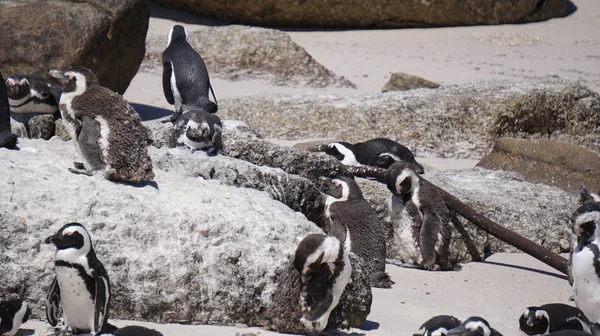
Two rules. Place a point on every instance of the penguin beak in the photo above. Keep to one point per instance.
(320, 148)
(51, 240)
(531, 320)
(461, 331)
(59, 76)
(325, 184)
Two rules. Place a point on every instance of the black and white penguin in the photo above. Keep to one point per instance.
(585, 260)
(375, 152)
(438, 326)
(422, 221)
(13, 313)
(81, 285)
(186, 83)
(552, 317)
(325, 270)
(474, 326)
(132, 331)
(346, 205)
(199, 130)
(106, 130)
(31, 94)
(7, 138)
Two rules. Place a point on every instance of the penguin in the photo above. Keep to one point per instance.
(474, 326)
(552, 317)
(186, 83)
(13, 313)
(106, 130)
(325, 269)
(422, 221)
(586, 197)
(31, 94)
(585, 260)
(438, 326)
(378, 152)
(131, 331)
(197, 129)
(345, 204)
(7, 138)
(81, 285)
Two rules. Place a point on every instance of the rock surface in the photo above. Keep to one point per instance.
(460, 121)
(235, 52)
(185, 250)
(546, 161)
(374, 14)
(33, 126)
(400, 81)
(106, 36)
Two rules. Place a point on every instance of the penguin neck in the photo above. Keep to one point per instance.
(339, 231)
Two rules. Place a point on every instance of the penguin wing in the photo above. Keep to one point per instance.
(53, 304)
(167, 71)
(101, 301)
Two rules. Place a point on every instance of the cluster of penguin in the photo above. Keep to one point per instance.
(110, 138)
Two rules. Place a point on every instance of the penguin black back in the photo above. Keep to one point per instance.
(438, 326)
(7, 138)
(13, 313)
(552, 317)
(474, 326)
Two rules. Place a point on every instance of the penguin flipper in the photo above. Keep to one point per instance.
(101, 302)
(167, 71)
(213, 94)
(53, 303)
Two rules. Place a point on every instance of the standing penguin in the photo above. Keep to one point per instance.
(7, 138)
(474, 326)
(199, 130)
(81, 285)
(422, 222)
(346, 205)
(106, 130)
(185, 78)
(378, 152)
(438, 326)
(13, 313)
(31, 94)
(325, 270)
(552, 317)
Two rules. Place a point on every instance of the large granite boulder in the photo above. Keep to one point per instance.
(400, 81)
(236, 52)
(546, 161)
(460, 121)
(183, 250)
(373, 14)
(107, 36)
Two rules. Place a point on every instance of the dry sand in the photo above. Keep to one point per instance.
(498, 289)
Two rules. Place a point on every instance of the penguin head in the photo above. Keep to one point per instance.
(71, 237)
(401, 178)
(17, 87)
(587, 197)
(178, 32)
(343, 151)
(438, 325)
(341, 189)
(74, 81)
(473, 326)
(584, 221)
(535, 321)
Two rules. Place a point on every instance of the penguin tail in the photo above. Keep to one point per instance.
(212, 107)
(381, 280)
(8, 140)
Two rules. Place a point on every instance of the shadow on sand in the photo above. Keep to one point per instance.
(148, 112)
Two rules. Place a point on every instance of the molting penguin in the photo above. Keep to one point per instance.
(185, 78)
(375, 152)
(474, 326)
(438, 326)
(346, 205)
(199, 130)
(552, 317)
(106, 130)
(13, 313)
(325, 270)
(422, 222)
(81, 285)
(31, 94)
(585, 268)
(7, 138)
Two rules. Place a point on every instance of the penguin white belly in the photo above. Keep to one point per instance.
(586, 285)
(193, 144)
(78, 304)
(17, 320)
(408, 250)
(176, 94)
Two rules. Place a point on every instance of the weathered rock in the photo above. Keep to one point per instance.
(546, 161)
(60, 131)
(400, 81)
(187, 250)
(234, 52)
(373, 14)
(311, 146)
(453, 121)
(33, 126)
(106, 36)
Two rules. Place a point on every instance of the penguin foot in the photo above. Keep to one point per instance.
(78, 165)
(381, 280)
(81, 172)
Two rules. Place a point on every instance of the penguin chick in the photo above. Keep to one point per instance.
(552, 317)
(81, 285)
(438, 326)
(185, 78)
(346, 205)
(325, 270)
(378, 152)
(132, 331)
(422, 221)
(106, 130)
(13, 313)
(7, 138)
(474, 326)
(197, 129)
(31, 94)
